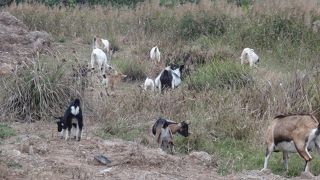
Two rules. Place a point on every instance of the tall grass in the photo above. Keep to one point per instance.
(37, 91)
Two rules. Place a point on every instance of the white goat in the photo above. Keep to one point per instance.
(103, 44)
(249, 56)
(155, 54)
(148, 83)
(291, 134)
(99, 57)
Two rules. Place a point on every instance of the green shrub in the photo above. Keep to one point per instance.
(160, 23)
(274, 30)
(220, 75)
(191, 27)
(6, 131)
(133, 69)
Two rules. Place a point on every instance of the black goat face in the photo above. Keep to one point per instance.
(184, 130)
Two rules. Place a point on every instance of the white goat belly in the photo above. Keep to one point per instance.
(289, 146)
(286, 146)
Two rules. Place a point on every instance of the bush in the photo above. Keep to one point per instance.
(191, 27)
(275, 30)
(220, 75)
(133, 69)
(6, 131)
(164, 23)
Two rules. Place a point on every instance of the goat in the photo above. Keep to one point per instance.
(98, 56)
(165, 139)
(291, 134)
(181, 128)
(148, 83)
(155, 54)
(60, 124)
(112, 80)
(73, 112)
(169, 78)
(249, 56)
(103, 44)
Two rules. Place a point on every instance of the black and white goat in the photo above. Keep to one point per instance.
(65, 124)
(61, 123)
(291, 134)
(169, 78)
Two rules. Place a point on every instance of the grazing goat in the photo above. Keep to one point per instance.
(182, 128)
(73, 112)
(155, 54)
(249, 56)
(169, 78)
(103, 44)
(112, 80)
(148, 84)
(291, 134)
(165, 139)
(98, 56)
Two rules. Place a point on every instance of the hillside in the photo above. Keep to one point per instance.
(227, 104)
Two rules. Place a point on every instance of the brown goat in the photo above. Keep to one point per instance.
(291, 134)
(113, 79)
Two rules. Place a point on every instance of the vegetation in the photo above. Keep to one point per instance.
(6, 131)
(228, 105)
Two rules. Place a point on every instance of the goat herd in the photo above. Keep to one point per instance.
(286, 133)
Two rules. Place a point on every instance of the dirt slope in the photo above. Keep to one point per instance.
(17, 43)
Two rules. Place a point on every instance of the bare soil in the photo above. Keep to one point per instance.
(38, 152)
(17, 43)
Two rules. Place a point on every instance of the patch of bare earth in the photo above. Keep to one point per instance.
(17, 43)
(37, 152)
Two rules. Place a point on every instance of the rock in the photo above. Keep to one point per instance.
(102, 159)
(103, 171)
(201, 156)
